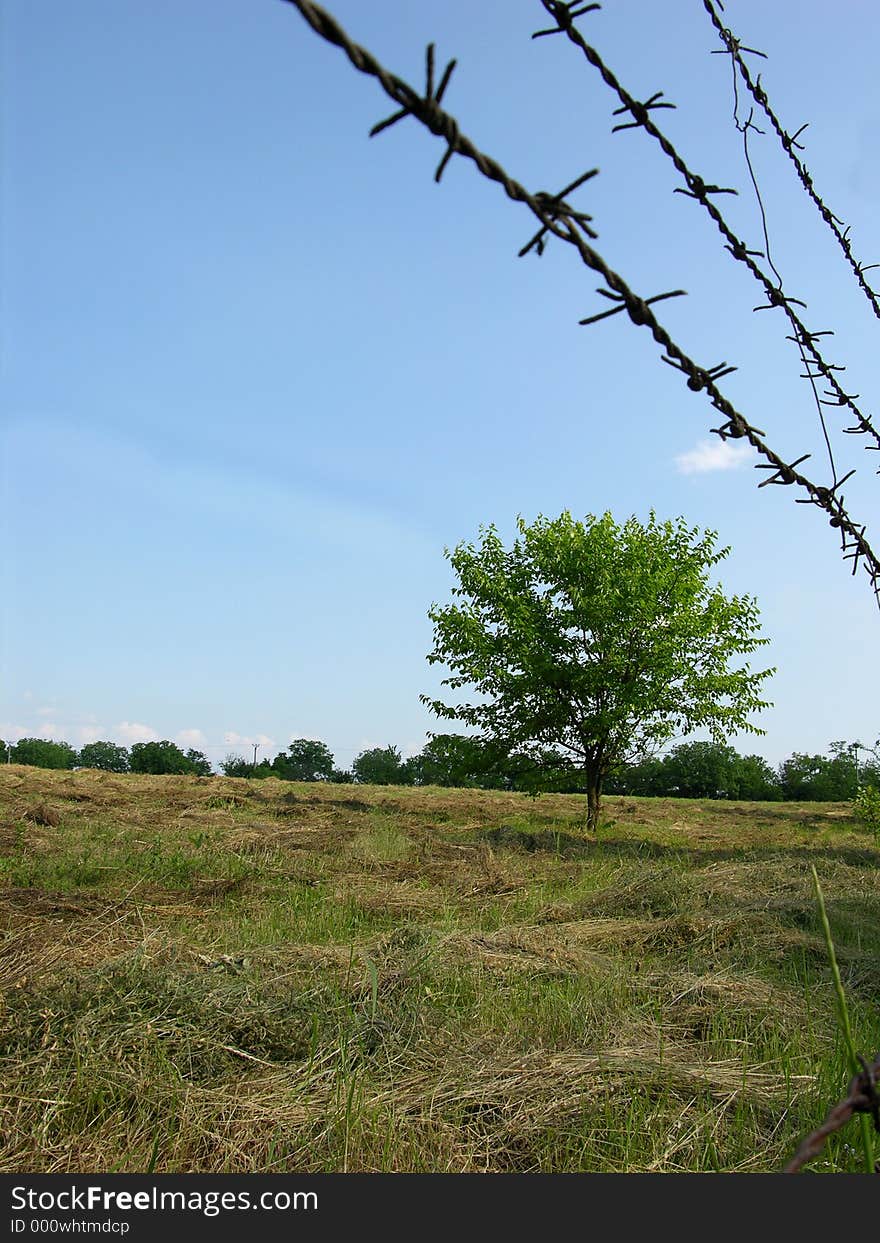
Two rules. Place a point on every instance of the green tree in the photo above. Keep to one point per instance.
(341, 776)
(199, 763)
(850, 768)
(869, 768)
(809, 778)
(379, 766)
(305, 759)
(107, 756)
(456, 760)
(236, 766)
(642, 776)
(159, 757)
(756, 780)
(869, 774)
(700, 770)
(596, 640)
(42, 753)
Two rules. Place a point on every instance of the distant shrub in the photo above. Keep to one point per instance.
(380, 766)
(866, 806)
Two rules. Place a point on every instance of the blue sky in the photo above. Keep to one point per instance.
(258, 370)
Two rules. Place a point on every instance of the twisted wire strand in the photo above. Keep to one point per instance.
(789, 142)
(698, 189)
(558, 218)
(861, 1098)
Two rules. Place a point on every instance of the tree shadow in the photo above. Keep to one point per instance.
(571, 845)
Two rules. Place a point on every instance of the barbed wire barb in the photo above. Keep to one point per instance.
(557, 202)
(636, 312)
(573, 12)
(638, 110)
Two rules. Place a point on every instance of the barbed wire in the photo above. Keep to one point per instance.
(806, 374)
(557, 218)
(698, 188)
(861, 1098)
(789, 143)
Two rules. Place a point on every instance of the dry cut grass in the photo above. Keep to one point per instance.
(210, 974)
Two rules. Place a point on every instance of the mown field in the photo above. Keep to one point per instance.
(208, 974)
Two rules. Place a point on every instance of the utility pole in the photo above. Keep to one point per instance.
(256, 747)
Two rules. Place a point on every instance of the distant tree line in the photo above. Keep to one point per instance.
(690, 770)
(144, 757)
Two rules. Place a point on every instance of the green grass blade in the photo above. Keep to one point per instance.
(846, 1027)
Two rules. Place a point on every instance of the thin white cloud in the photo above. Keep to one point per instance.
(190, 738)
(232, 739)
(133, 731)
(89, 733)
(46, 711)
(710, 455)
(48, 729)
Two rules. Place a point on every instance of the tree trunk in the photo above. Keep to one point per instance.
(593, 801)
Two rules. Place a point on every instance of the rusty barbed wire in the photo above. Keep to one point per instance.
(697, 188)
(789, 142)
(557, 217)
(861, 1098)
(427, 110)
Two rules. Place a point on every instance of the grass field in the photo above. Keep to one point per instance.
(207, 974)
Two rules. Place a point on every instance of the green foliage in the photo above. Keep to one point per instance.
(167, 757)
(380, 766)
(42, 753)
(236, 766)
(702, 770)
(596, 642)
(755, 780)
(449, 760)
(459, 760)
(341, 776)
(816, 777)
(709, 770)
(106, 756)
(643, 777)
(866, 806)
(199, 763)
(306, 759)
